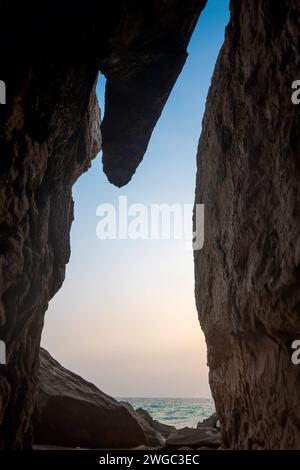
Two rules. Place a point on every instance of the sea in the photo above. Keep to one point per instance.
(178, 412)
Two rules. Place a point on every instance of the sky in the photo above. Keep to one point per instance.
(125, 318)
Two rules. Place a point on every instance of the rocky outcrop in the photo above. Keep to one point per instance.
(164, 429)
(211, 421)
(146, 63)
(194, 438)
(72, 412)
(46, 142)
(205, 436)
(140, 47)
(247, 275)
(49, 132)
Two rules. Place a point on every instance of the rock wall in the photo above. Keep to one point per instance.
(49, 132)
(44, 148)
(247, 275)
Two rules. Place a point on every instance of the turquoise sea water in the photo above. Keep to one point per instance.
(178, 412)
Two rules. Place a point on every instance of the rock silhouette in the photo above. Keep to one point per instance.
(247, 282)
(164, 429)
(72, 412)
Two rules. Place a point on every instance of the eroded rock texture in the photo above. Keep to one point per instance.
(247, 275)
(49, 132)
(46, 142)
(164, 429)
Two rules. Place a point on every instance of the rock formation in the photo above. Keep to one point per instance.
(73, 412)
(44, 147)
(49, 132)
(205, 437)
(164, 429)
(212, 421)
(247, 275)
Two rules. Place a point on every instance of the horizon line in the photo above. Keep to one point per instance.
(164, 397)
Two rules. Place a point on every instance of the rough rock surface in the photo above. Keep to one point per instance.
(46, 142)
(211, 421)
(145, 66)
(194, 438)
(73, 412)
(49, 132)
(248, 273)
(164, 429)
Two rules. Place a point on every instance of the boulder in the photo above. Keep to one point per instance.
(211, 421)
(164, 429)
(72, 412)
(49, 134)
(194, 438)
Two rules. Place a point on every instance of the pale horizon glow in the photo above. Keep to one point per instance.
(125, 318)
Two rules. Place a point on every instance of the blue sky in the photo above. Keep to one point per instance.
(125, 317)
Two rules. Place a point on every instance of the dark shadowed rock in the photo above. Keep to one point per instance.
(48, 138)
(147, 62)
(248, 273)
(194, 438)
(72, 412)
(211, 421)
(164, 429)
(49, 133)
